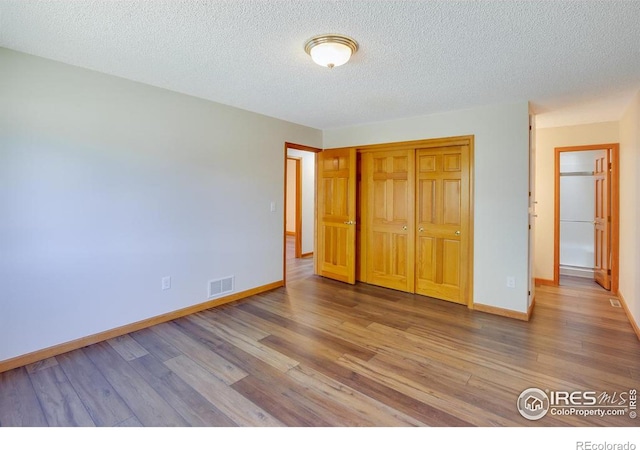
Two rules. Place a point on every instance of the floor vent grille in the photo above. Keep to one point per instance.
(221, 286)
(615, 303)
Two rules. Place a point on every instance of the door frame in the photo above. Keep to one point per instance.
(304, 148)
(614, 198)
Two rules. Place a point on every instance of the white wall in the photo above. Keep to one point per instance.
(629, 203)
(308, 196)
(547, 139)
(501, 181)
(107, 185)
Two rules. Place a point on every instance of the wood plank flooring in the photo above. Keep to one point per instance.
(320, 353)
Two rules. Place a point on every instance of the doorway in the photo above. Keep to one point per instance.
(293, 216)
(587, 215)
(299, 210)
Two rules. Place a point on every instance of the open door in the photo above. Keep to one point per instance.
(336, 215)
(602, 235)
(532, 210)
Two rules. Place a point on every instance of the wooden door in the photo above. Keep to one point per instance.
(532, 210)
(336, 213)
(443, 253)
(388, 200)
(601, 221)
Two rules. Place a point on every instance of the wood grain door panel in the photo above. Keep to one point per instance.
(442, 223)
(336, 211)
(388, 202)
(601, 221)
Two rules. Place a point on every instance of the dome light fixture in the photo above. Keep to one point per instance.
(330, 50)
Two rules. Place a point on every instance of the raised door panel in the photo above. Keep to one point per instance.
(442, 222)
(388, 200)
(426, 260)
(451, 262)
(336, 214)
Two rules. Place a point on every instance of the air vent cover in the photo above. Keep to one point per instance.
(221, 286)
(615, 303)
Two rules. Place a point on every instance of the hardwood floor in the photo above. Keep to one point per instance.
(581, 282)
(297, 268)
(320, 353)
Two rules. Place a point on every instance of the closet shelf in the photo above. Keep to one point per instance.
(576, 174)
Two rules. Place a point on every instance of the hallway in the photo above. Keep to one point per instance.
(297, 268)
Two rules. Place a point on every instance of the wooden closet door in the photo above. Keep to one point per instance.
(336, 214)
(388, 178)
(443, 223)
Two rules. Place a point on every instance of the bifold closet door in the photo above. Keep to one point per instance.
(443, 222)
(388, 179)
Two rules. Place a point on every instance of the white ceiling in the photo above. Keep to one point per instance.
(574, 60)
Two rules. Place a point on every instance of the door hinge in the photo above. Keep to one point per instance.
(529, 292)
(529, 226)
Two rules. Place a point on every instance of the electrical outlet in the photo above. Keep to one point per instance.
(511, 282)
(166, 283)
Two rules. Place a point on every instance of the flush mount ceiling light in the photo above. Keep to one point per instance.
(330, 50)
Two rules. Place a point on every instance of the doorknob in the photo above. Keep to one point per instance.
(457, 233)
(420, 229)
(404, 228)
(350, 222)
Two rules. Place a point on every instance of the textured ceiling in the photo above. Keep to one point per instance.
(415, 57)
